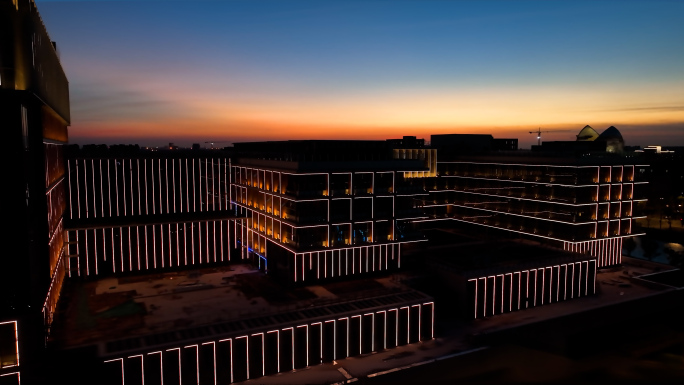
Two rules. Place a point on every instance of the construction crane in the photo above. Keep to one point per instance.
(216, 141)
(538, 132)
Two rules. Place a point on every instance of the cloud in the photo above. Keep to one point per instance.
(654, 109)
(94, 102)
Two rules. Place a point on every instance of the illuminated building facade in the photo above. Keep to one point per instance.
(299, 221)
(144, 213)
(327, 209)
(306, 212)
(491, 278)
(585, 205)
(249, 348)
(34, 113)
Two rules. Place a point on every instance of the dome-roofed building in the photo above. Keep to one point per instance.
(587, 134)
(613, 139)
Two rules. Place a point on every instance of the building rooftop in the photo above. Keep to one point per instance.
(331, 165)
(471, 257)
(542, 157)
(129, 313)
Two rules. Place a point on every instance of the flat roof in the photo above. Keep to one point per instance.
(140, 312)
(338, 166)
(470, 256)
(541, 159)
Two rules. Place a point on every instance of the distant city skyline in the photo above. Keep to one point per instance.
(153, 72)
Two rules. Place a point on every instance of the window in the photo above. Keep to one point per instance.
(9, 345)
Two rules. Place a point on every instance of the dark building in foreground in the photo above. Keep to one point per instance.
(34, 113)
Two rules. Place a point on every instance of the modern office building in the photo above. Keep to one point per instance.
(299, 218)
(585, 204)
(327, 209)
(147, 211)
(34, 111)
(310, 212)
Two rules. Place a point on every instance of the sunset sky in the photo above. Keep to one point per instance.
(156, 71)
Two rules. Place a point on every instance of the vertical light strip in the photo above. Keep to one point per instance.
(194, 199)
(78, 189)
(92, 167)
(85, 188)
(213, 186)
(166, 172)
(154, 204)
(177, 247)
(277, 348)
(137, 163)
(220, 200)
(161, 242)
(168, 226)
(130, 253)
(123, 180)
(85, 235)
(147, 266)
(123, 381)
(95, 248)
(116, 183)
(161, 207)
(161, 365)
(187, 188)
(293, 345)
(185, 242)
(130, 173)
(154, 245)
(173, 183)
(180, 184)
(109, 185)
(142, 366)
(71, 199)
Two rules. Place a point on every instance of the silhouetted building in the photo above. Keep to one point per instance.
(462, 144)
(588, 141)
(34, 114)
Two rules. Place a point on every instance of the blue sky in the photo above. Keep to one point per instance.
(158, 71)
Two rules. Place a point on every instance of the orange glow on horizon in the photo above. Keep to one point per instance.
(188, 116)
